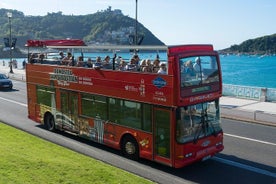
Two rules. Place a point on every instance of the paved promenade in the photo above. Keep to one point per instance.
(233, 108)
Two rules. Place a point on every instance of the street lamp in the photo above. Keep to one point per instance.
(136, 34)
(9, 14)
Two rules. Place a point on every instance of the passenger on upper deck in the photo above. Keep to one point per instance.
(41, 57)
(80, 62)
(136, 61)
(89, 63)
(156, 66)
(32, 58)
(142, 64)
(132, 65)
(148, 66)
(98, 63)
(67, 60)
(106, 63)
(163, 69)
(118, 60)
(122, 65)
(61, 55)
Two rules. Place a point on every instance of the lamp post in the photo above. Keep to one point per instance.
(136, 34)
(9, 14)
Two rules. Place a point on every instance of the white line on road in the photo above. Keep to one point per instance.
(247, 167)
(249, 139)
(12, 101)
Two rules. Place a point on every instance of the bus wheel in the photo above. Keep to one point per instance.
(130, 148)
(49, 122)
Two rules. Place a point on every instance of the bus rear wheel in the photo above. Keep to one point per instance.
(130, 148)
(49, 122)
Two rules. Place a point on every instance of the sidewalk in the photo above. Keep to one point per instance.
(232, 108)
(248, 110)
(18, 74)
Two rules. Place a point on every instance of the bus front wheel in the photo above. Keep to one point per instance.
(130, 148)
(49, 122)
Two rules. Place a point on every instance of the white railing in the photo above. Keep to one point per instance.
(249, 92)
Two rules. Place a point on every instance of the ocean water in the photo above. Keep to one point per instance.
(244, 70)
(249, 70)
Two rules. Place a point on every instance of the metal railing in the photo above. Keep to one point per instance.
(249, 92)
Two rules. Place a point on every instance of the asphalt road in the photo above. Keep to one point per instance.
(249, 155)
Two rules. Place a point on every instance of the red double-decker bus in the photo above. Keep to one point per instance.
(171, 117)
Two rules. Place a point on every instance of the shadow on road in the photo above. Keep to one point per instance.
(210, 171)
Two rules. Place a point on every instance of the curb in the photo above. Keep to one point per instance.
(20, 78)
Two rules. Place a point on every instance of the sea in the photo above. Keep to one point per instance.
(244, 70)
(249, 70)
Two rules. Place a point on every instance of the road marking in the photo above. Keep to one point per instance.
(243, 166)
(12, 101)
(249, 139)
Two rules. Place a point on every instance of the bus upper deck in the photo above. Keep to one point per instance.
(192, 72)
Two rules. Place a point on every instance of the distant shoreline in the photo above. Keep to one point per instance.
(246, 53)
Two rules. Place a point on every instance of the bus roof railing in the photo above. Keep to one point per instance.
(114, 47)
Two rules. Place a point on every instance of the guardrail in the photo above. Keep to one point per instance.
(249, 92)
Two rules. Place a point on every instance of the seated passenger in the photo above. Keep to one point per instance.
(148, 66)
(41, 58)
(98, 63)
(136, 59)
(163, 69)
(61, 55)
(122, 65)
(106, 63)
(32, 58)
(80, 62)
(156, 66)
(67, 60)
(132, 65)
(142, 64)
(118, 60)
(89, 63)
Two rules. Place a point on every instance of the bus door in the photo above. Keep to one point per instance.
(162, 137)
(69, 111)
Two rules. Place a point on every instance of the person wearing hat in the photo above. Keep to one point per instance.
(162, 69)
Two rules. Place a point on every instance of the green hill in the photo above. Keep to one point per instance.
(261, 45)
(106, 26)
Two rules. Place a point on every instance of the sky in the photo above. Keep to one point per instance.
(219, 22)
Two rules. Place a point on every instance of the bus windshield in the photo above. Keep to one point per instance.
(198, 70)
(197, 121)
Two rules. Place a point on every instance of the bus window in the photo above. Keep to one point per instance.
(198, 120)
(94, 105)
(198, 70)
(44, 95)
(125, 113)
(130, 114)
(147, 120)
